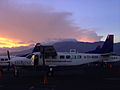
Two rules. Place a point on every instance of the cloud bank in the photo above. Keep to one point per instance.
(28, 20)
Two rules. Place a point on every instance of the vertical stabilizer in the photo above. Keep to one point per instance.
(108, 44)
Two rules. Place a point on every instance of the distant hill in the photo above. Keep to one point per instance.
(79, 46)
(16, 50)
(82, 46)
(67, 45)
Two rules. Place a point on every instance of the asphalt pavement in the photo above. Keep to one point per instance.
(81, 79)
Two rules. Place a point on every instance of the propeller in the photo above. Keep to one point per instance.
(8, 54)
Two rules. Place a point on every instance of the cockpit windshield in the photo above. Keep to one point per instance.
(29, 56)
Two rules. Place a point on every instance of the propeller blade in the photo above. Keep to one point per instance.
(43, 54)
(8, 54)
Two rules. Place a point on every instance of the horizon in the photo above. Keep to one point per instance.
(49, 43)
(22, 50)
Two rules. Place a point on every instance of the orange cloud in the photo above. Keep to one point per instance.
(5, 42)
(34, 22)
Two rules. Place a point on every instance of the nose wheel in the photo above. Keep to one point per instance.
(15, 71)
(50, 72)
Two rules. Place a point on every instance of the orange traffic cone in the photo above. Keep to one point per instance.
(45, 80)
(110, 65)
(1, 73)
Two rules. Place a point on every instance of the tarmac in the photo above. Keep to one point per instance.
(86, 78)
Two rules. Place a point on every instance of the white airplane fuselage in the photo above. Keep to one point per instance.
(62, 59)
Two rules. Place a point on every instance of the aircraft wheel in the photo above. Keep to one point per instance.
(50, 72)
(16, 71)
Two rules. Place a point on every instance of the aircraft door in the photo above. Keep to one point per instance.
(36, 60)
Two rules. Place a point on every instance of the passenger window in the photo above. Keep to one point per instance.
(6, 59)
(112, 57)
(85, 57)
(73, 57)
(62, 57)
(54, 57)
(94, 56)
(2, 59)
(68, 57)
(88, 56)
(78, 57)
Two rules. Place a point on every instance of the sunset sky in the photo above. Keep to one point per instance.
(24, 22)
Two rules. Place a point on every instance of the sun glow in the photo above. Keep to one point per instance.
(86, 40)
(6, 42)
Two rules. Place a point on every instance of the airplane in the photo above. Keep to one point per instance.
(45, 56)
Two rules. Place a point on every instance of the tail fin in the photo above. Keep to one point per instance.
(107, 46)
